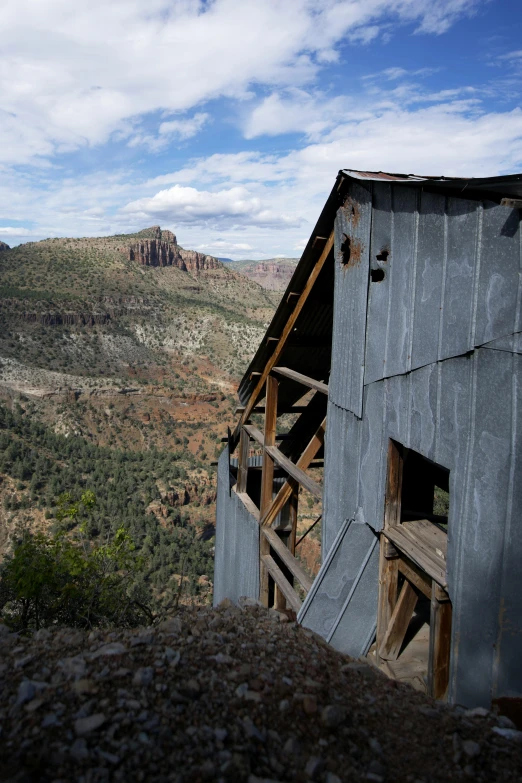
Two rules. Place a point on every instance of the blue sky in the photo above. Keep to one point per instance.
(226, 121)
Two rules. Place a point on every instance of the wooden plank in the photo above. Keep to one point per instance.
(430, 537)
(293, 565)
(303, 379)
(254, 433)
(299, 475)
(267, 480)
(282, 582)
(288, 487)
(514, 203)
(440, 647)
(428, 561)
(392, 504)
(314, 274)
(388, 591)
(415, 575)
(400, 619)
(261, 409)
(242, 470)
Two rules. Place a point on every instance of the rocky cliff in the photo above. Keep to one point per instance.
(273, 274)
(4, 246)
(160, 248)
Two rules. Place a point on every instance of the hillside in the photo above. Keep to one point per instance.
(273, 274)
(233, 694)
(129, 345)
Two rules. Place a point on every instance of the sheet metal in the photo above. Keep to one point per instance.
(465, 414)
(451, 279)
(236, 563)
(352, 246)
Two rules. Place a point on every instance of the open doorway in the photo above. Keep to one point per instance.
(414, 612)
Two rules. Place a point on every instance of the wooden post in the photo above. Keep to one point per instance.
(440, 643)
(267, 482)
(400, 619)
(392, 507)
(388, 589)
(242, 468)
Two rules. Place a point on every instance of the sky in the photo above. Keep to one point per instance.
(226, 121)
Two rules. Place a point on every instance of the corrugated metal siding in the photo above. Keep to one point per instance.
(452, 279)
(236, 564)
(464, 414)
(350, 300)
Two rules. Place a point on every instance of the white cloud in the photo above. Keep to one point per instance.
(72, 74)
(173, 130)
(13, 231)
(229, 207)
(223, 246)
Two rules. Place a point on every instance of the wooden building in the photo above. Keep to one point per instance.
(394, 360)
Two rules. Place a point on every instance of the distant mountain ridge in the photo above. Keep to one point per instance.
(273, 274)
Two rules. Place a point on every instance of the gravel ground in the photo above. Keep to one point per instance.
(230, 694)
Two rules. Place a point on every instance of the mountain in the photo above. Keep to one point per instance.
(124, 344)
(4, 246)
(273, 274)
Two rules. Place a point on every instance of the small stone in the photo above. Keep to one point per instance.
(51, 719)
(251, 730)
(20, 663)
(172, 626)
(143, 676)
(332, 716)
(477, 712)
(470, 748)
(222, 658)
(505, 722)
(86, 725)
(375, 745)
(26, 692)
(292, 747)
(331, 778)
(310, 705)
(73, 667)
(79, 750)
(110, 757)
(113, 648)
(144, 638)
(84, 686)
(314, 767)
(241, 690)
(510, 734)
(220, 734)
(284, 705)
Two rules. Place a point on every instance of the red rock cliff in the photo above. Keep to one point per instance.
(163, 250)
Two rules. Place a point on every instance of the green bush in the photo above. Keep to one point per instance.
(61, 580)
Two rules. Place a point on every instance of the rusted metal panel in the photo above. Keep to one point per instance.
(352, 245)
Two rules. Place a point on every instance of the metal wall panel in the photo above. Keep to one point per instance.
(341, 472)
(452, 279)
(350, 299)
(236, 564)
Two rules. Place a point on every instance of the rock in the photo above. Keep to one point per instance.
(510, 734)
(20, 663)
(332, 715)
(113, 648)
(505, 722)
(26, 692)
(477, 712)
(331, 778)
(91, 723)
(73, 667)
(171, 626)
(310, 705)
(163, 250)
(143, 676)
(314, 767)
(78, 750)
(470, 748)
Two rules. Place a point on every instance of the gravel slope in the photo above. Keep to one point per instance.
(233, 694)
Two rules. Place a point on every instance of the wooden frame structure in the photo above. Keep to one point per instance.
(414, 552)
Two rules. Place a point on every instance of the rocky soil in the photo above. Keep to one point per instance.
(233, 694)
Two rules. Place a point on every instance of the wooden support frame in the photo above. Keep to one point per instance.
(267, 480)
(289, 326)
(416, 551)
(311, 383)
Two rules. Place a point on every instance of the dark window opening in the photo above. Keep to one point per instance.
(425, 490)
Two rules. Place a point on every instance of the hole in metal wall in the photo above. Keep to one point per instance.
(346, 250)
(376, 275)
(383, 255)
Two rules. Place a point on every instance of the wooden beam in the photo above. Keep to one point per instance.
(415, 575)
(440, 646)
(242, 470)
(514, 203)
(300, 378)
(267, 478)
(282, 582)
(293, 565)
(291, 468)
(400, 619)
(254, 433)
(314, 274)
(392, 503)
(288, 487)
(388, 591)
(248, 503)
(280, 412)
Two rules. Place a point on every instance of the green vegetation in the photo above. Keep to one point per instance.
(61, 580)
(125, 483)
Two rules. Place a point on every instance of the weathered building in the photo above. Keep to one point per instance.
(403, 323)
